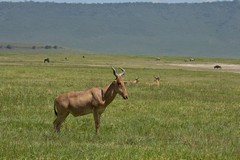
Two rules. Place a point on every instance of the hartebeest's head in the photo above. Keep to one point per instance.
(136, 80)
(157, 78)
(119, 86)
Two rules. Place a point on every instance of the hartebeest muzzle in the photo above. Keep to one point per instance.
(125, 97)
(125, 94)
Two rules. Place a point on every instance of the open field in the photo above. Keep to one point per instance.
(193, 114)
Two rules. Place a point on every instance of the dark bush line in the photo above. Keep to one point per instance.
(30, 47)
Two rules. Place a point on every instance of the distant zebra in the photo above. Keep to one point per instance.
(217, 67)
(46, 60)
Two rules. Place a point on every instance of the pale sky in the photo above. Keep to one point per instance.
(117, 1)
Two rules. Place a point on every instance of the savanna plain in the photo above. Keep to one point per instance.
(193, 114)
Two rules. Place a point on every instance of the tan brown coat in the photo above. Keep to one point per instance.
(156, 82)
(135, 81)
(93, 100)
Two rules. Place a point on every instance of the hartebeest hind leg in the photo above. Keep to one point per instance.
(59, 120)
(96, 116)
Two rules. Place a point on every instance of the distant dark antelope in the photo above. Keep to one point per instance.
(217, 67)
(46, 60)
(93, 100)
(135, 81)
(155, 83)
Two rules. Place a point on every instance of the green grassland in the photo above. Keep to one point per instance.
(193, 114)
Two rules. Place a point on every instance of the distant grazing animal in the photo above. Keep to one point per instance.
(66, 58)
(93, 100)
(191, 59)
(155, 83)
(46, 60)
(217, 67)
(135, 81)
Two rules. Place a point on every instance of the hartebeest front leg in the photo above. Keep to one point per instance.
(96, 116)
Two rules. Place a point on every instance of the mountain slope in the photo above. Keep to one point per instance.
(204, 29)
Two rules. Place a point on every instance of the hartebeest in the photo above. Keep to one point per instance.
(93, 100)
(135, 81)
(155, 83)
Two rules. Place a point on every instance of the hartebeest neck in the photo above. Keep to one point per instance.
(109, 93)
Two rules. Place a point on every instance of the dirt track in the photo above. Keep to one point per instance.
(225, 67)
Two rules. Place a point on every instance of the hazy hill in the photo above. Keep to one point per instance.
(203, 29)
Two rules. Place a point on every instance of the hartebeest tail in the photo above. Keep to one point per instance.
(54, 107)
(93, 100)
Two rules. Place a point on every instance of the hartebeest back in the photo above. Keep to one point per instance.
(135, 81)
(93, 100)
(155, 83)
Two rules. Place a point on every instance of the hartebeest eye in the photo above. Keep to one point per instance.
(119, 84)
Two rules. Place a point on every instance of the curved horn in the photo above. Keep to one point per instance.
(116, 74)
(123, 72)
(114, 71)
